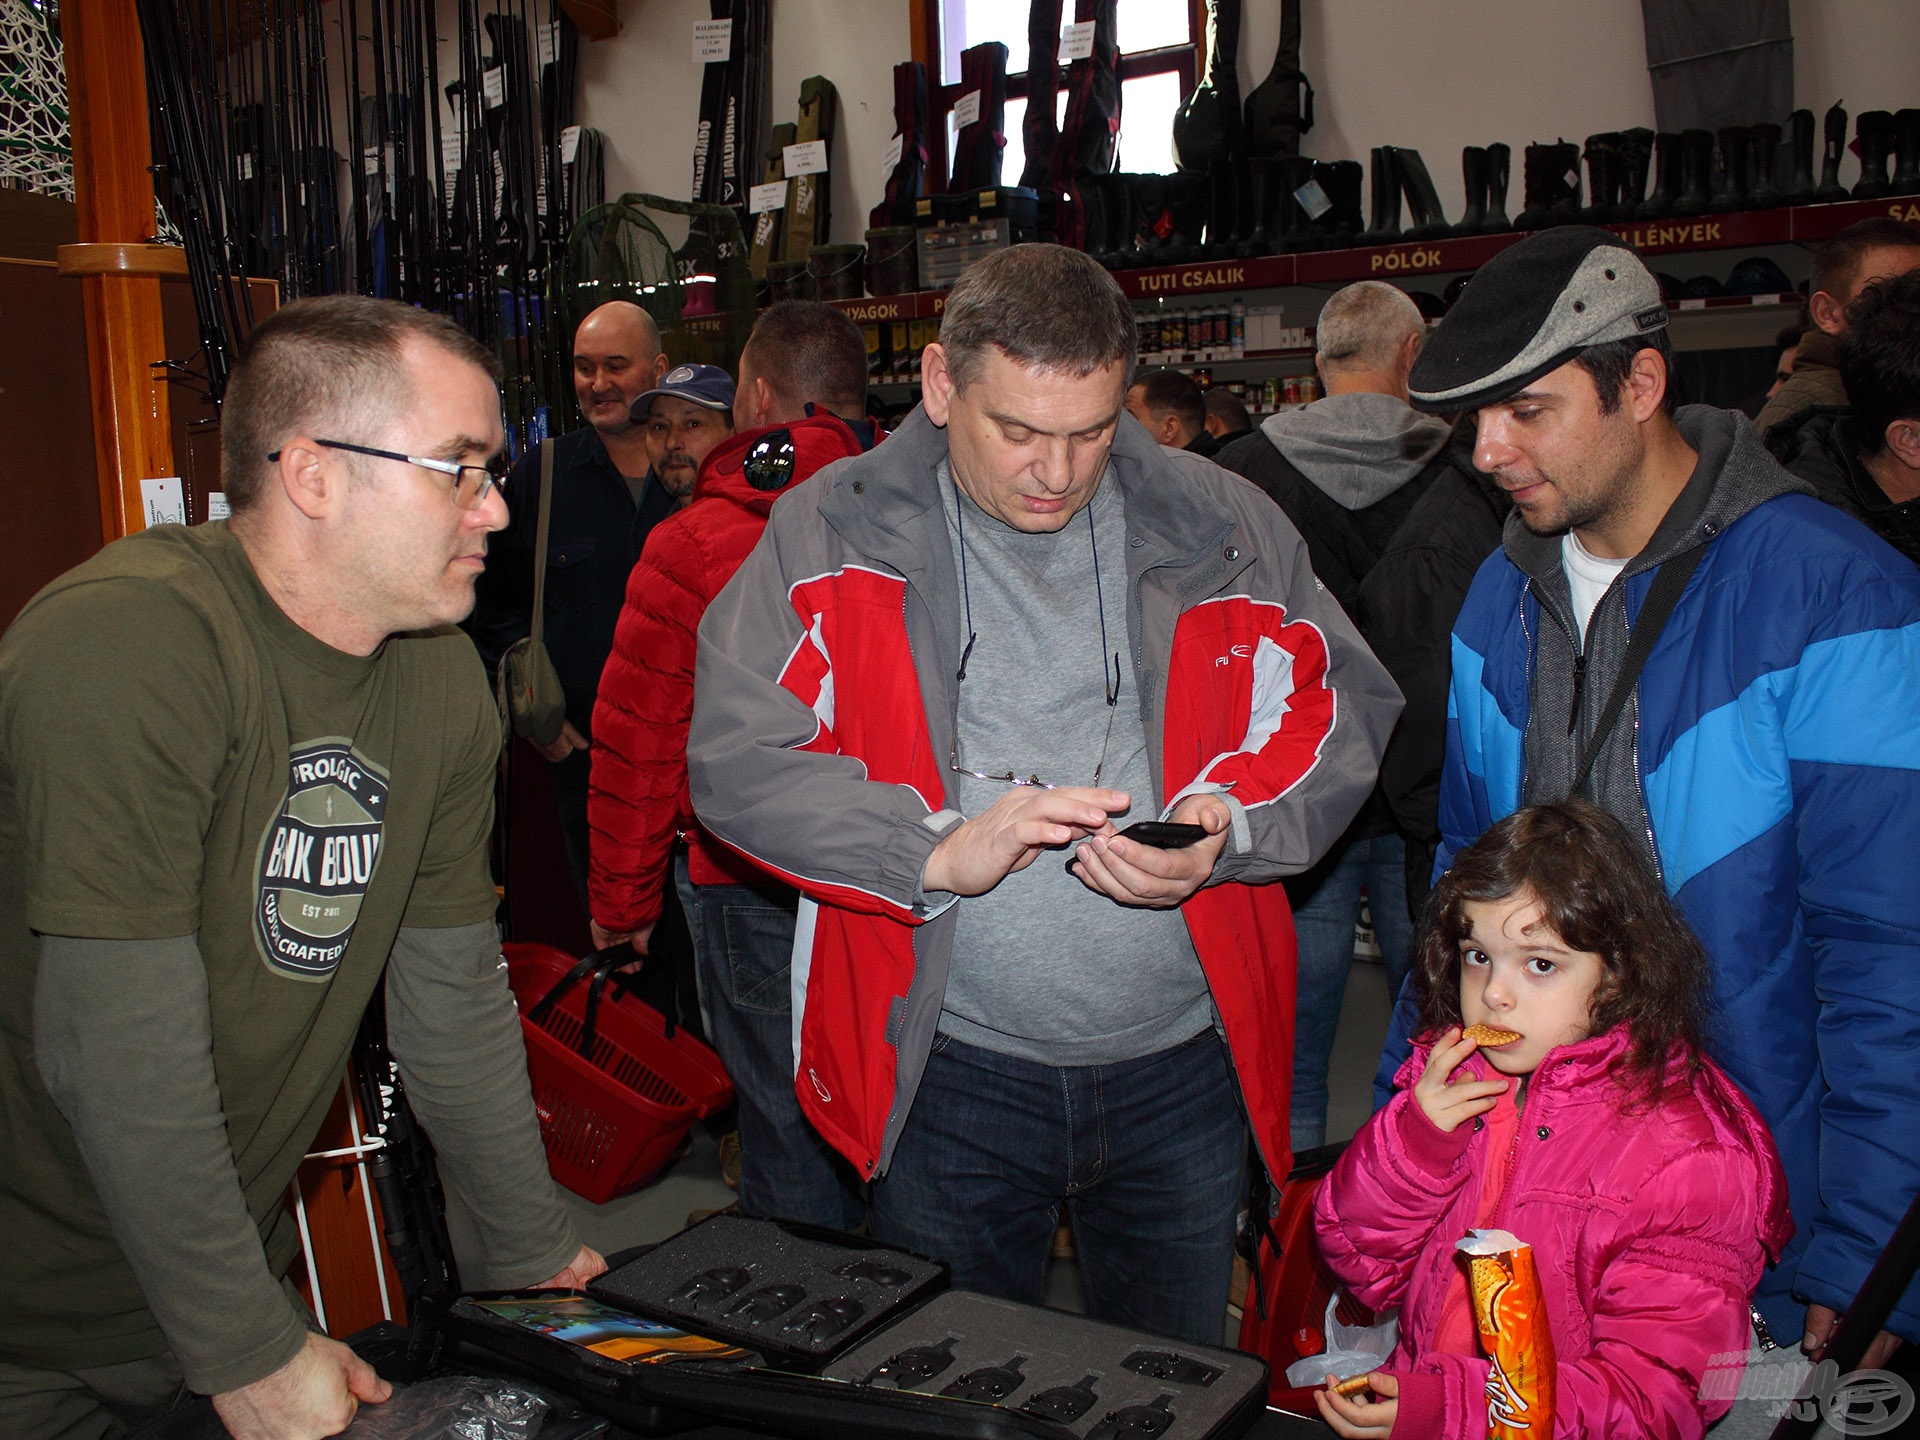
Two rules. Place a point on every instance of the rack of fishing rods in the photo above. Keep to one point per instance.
(459, 179)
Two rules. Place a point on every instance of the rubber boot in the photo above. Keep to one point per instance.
(1293, 231)
(1906, 153)
(1765, 140)
(1499, 163)
(1830, 190)
(1342, 180)
(1800, 158)
(1730, 177)
(1666, 179)
(1184, 223)
(1473, 180)
(1696, 173)
(1261, 183)
(1553, 186)
(1636, 154)
(1873, 134)
(1385, 193)
(1429, 220)
(1602, 154)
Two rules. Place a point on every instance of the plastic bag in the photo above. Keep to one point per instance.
(1351, 1349)
(452, 1407)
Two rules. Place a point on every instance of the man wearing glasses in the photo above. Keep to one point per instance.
(241, 766)
(951, 673)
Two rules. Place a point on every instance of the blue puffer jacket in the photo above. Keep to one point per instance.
(1776, 743)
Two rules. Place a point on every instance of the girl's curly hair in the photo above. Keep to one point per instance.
(1599, 895)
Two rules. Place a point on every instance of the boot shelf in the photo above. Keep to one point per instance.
(1744, 229)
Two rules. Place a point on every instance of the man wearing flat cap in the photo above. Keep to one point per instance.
(1764, 746)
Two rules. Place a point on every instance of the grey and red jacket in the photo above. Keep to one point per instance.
(823, 720)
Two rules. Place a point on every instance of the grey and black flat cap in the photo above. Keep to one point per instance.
(1529, 310)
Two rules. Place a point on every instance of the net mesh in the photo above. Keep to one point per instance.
(36, 149)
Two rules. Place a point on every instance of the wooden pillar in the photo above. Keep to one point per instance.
(113, 189)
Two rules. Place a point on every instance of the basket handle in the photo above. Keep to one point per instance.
(599, 965)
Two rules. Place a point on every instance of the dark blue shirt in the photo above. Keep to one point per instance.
(594, 535)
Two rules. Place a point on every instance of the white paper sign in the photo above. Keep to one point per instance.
(890, 156)
(770, 196)
(371, 159)
(1076, 41)
(712, 41)
(966, 110)
(246, 164)
(569, 144)
(1313, 199)
(494, 83)
(217, 507)
(806, 159)
(546, 40)
(164, 500)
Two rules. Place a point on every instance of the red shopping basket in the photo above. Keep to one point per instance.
(615, 1086)
(1287, 1303)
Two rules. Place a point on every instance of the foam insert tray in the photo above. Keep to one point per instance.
(794, 1293)
(1093, 1381)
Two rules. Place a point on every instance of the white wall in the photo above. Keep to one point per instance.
(1432, 75)
(642, 90)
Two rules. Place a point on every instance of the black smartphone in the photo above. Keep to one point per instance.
(1164, 834)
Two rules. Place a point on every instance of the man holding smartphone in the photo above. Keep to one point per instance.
(1017, 627)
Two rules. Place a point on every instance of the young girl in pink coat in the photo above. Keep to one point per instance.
(1603, 1137)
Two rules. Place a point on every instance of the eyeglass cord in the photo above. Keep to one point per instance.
(1109, 680)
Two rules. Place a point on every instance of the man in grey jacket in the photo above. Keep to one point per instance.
(974, 653)
(1347, 470)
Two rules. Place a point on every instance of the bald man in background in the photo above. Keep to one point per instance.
(604, 505)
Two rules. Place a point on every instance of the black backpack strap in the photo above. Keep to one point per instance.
(1662, 596)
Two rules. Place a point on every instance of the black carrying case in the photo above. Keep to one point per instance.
(918, 1359)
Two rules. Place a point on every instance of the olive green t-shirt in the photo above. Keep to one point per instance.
(177, 757)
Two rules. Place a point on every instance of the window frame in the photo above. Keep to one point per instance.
(927, 15)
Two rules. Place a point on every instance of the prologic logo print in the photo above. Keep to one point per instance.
(317, 858)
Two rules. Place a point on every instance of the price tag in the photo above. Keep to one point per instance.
(1313, 199)
(164, 501)
(712, 41)
(450, 150)
(966, 110)
(494, 83)
(245, 157)
(546, 40)
(770, 196)
(1076, 41)
(217, 507)
(890, 156)
(569, 144)
(371, 159)
(807, 159)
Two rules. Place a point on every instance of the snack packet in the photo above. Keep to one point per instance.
(1511, 1314)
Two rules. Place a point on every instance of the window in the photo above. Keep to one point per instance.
(1157, 67)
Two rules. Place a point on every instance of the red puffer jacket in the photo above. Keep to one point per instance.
(637, 797)
(1649, 1228)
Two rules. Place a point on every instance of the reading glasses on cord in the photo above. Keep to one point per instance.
(468, 493)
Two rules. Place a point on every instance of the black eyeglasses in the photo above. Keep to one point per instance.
(471, 483)
(770, 460)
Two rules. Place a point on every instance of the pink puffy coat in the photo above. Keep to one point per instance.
(1648, 1229)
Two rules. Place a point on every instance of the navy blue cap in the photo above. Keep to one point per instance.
(705, 385)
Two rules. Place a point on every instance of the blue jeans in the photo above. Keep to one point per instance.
(1326, 906)
(1147, 1156)
(743, 949)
